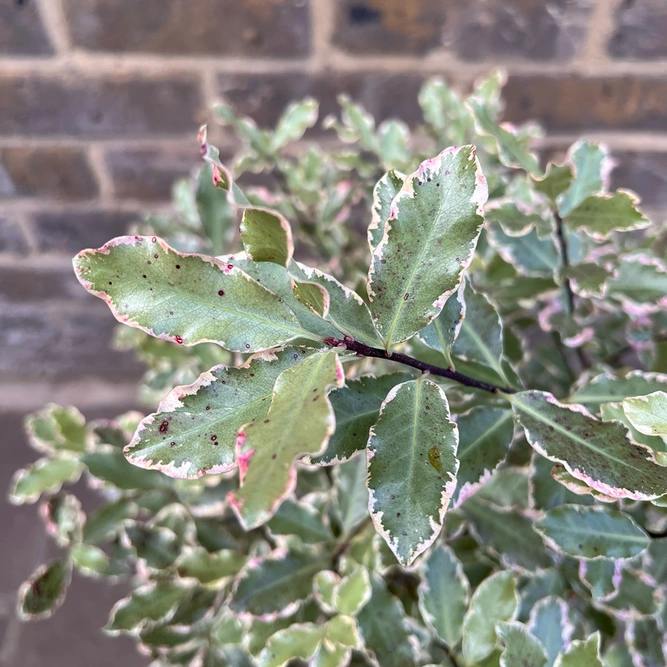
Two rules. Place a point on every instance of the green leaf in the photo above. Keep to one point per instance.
(444, 593)
(300, 421)
(89, 560)
(302, 519)
(645, 642)
(351, 494)
(45, 591)
(657, 561)
(600, 215)
(207, 568)
(345, 308)
(481, 336)
(412, 467)
(276, 586)
(217, 216)
(592, 532)
(602, 576)
(494, 600)
(529, 254)
(347, 595)
(548, 493)
(266, 236)
(157, 545)
(356, 408)
(591, 167)
(194, 429)
(353, 592)
(64, 518)
(550, 624)
(648, 414)
(313, 296)
(231, 308)
(508, 533)
(385, 635)
(383, 194)
(556, 180)
(582, 653)
(485, 435)
(57, 428)
(428, 241)
(598, 453)
(441, 334)
(635, 596)
(108, 520)
(394, 143)
(516, 219)
(606, 388)
(587, 280)
(110, 466)
(152, 602)
(46, 475)
(294, 121)
(277, 279)
(510, 150)
(640, 281)
(298, 641)
(521, 648)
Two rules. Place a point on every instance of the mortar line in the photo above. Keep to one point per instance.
(55, 23)
(100, 171)
(601, 28)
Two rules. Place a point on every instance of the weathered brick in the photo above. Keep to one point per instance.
(19, 284)
(389, 26)
(646, 174)
(22, 32)
(279, 28)
(641, 30)
(474, 30)
(49, 172)
(69, 232)
(264, 96)
(125, 104)
(61, 341)
(12, 239)
(149, 174)
(577, 103)
(527, 29)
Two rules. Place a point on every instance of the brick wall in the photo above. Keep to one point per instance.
(100, 101)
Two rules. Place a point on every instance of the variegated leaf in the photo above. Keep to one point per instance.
(598, 453)
(412, 467)
(428, 241)
(185, 298)
(299, 421)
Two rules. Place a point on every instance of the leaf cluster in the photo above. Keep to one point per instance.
(445, 444)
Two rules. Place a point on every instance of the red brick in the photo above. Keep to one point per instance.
(149, 174)
(253, 28)
(525, 29)
(67, 232)
(49, 172)
(128, 105)
(575, 103)
(388, 26)
(12, 239)
(641, 30)
(22, 32)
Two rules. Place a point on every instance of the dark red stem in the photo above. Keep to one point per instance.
(378, 353)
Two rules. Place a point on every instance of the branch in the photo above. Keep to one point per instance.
(562, 243)
(366, 351)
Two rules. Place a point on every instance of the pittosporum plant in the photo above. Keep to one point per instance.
(447, 447)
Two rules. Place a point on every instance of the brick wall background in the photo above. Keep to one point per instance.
(100, 101)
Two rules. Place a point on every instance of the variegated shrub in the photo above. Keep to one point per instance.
(447, 445)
